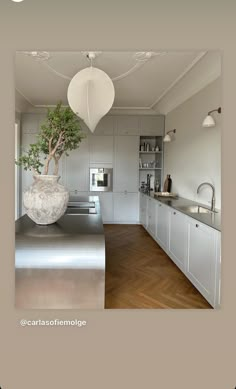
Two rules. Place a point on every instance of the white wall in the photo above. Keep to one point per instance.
(195, 154)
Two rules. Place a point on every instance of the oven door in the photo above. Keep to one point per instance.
(100, 180)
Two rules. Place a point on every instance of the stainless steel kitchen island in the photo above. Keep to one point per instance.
(62, 265)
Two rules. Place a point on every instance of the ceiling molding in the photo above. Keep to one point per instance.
(183, 97)
(118, 108)
(26, 98)
(21, 103)
(208, 71)
(188, 68)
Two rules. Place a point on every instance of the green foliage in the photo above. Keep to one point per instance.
(31, 160)
(59, 134)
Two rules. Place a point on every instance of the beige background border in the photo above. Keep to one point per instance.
(118, 349)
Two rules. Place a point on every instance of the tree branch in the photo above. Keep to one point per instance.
(59, 142)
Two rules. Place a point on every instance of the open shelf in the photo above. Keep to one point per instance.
(152, 158)
(150, 152)
(150, 168)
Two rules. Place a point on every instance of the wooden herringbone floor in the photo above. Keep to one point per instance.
(140, 275)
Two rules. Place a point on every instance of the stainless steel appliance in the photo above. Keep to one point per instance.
(100, 179)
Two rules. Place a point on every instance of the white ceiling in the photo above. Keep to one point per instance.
(40, 83)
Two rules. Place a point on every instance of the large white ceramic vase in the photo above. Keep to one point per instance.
(45, 200)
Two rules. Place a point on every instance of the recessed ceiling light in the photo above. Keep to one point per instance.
(17, 1)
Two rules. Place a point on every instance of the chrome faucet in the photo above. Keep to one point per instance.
(213, 194)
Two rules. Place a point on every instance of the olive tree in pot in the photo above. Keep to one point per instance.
(46, 200)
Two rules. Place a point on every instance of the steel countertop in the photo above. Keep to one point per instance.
(61, 265)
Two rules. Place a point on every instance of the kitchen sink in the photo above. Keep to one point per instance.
(196, 209)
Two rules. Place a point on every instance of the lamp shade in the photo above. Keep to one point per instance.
(208, 121)
(90, 95)
(167, 138)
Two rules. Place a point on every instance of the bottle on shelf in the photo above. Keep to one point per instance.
(167, 184)
(148, 182)
(152, 183)
(157, 186)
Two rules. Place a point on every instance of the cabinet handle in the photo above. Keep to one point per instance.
(174, 213)
(159, 205)
(125, 191)
(197, 225)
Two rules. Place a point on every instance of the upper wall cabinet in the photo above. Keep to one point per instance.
(76, 177)
(126, 164)
(101, 149)
(31, 123)
(105, 126)
(139, 125)
(127, 125)
(152, 125)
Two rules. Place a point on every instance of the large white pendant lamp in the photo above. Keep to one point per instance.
(91, 95)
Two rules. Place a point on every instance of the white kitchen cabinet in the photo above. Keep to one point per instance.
(218, 269)
(126, 164)
(143, 199)
(29, 123)
(126, 207)
(201, 258)
(101, 149)
(193, 246)
(162, 225)
(178, 238)
(76, 168)
(75, 194)
(127, 125)
(151, 216)
(152, 125)
(106, 205)
(105, 126)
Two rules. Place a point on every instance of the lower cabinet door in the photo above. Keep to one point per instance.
(151, 216)
(218, 269)
(143, 209)
(201, 259)
(106, 204)
(178, 238)
(125, 207)
(162, 225)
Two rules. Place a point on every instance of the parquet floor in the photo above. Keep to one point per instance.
(140, 275)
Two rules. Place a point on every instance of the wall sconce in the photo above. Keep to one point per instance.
(209, 120)
(167, 137)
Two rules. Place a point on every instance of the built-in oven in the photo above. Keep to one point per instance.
(100, 179)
